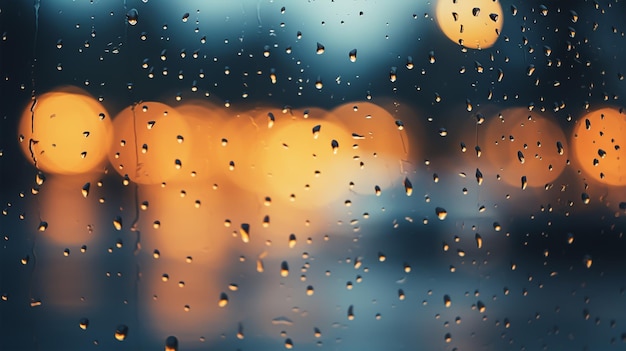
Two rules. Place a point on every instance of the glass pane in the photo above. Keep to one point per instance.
(321, 175)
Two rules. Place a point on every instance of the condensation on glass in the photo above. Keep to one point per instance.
(322, 175)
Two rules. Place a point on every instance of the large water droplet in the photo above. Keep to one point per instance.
(132, 16)
(121, 332)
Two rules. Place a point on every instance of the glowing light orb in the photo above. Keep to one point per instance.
(598, 142)
(308, 160)
(67, 132)
(378, 145)
(521, 143)
(473, 24)
(205, 121)
(147, 143)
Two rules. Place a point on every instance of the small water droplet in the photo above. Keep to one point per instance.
(83, 323)
(320, 48)
(351, 313)
(284, 269)
(132, 16)
(223, 300)
(479, 241)
(117, 223)
(171, 343)
(441, 213)
(352, 55)
(408, 187)
(524, 182)
(121, 332)
(245, 232)
(475, 11)
(292, 240)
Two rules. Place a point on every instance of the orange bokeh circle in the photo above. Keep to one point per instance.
(150, 143)
(520, 143)
(67, 132)
(597, 143)
(473, 24)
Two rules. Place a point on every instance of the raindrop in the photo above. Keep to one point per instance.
(543, 10)
(320, 48)
(352, 55)
(479, 241)
(121, 332)
(524, 182)
(441, 213)
(559, 147)
(475, 11)
(185, 17)
(83, 323)
(585, 198)
(284, 269)
(132, 16)
(292, 241)
(117, 223)
(520, 157)
(245, 232)
(408, 187)
(223, 300)
(431, 57)
(351, 313)
(447, 301)
(479, 176)
(171, 343)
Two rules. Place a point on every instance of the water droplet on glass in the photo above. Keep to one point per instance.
(351, 313)
(479, 176)
(83, 323)
(520, 157)
(132, 16)
(352, 55)
(284, 269)
(408, 187)
(585, 198)
(320, 49)
(121, 332)
(288, 343)
(223, 300)
(117, 223)
(43, 225)
(479, 241)
(441, 213)
(171, 343)
(185, 17)
(475, 11)
(245, 232)
(292, 241)
(524, 182)
(447, 302)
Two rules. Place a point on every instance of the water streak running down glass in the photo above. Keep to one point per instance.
(322, 175)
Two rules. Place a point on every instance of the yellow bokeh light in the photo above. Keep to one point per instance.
(597, 143)
(473, 24)
(149, 144)
(520, 143)
(67, 132)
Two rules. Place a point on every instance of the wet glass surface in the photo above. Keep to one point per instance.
(321, 175)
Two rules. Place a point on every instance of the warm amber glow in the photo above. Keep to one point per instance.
(473, 24)
(378, 146)
(598, 142)
(68, 132)
(147, 145)
(308, 160)
(61, 195)
(205, 122)
(521, 143)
